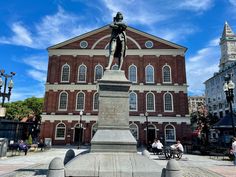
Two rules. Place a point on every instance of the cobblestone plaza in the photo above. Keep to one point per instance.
(36, 164)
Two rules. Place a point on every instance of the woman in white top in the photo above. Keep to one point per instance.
(234, 149)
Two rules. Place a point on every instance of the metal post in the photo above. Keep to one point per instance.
(146, 115)
(229, 92)
(232, 118)
(80, 127)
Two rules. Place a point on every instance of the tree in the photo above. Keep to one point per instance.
(21, 109)
(36, 105)
(202, 120)
(30, 108)
(17, 110)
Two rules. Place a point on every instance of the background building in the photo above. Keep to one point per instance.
(194, 102)
(215, 96)
(155, 67)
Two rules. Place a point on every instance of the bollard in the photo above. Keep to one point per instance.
(56, 168)
(70, 154)
(146, 153)
(172, 169)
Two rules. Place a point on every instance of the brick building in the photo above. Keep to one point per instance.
(155, 67)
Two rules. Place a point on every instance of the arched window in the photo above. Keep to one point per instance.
(149, 74)
(134, 130)
(95, 101)
(82, 73)
(150, 102)
(133, 101)
(115, 67)
(65, 73)
(133, 73)
(80, 101)
(94, 129)
(98, 72)
(168, 102)
(170, 133)
(166, 74)
(63, 99)
(60, 131)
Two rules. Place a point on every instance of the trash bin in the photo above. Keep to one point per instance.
(3, 147)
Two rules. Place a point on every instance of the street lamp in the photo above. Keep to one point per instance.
(4, 94)
(80, 127)
(229, 92)
(146, 115)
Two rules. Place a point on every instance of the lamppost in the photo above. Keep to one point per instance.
(4, 94)
(80, 127)
(229, 92)
(10, 85)
(146, 115)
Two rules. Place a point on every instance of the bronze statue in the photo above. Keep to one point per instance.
(117, 44)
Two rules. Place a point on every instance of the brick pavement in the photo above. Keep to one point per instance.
(36, 164)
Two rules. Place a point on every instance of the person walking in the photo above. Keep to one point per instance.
(234, 149)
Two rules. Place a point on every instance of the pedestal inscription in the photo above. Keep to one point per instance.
(113, 134)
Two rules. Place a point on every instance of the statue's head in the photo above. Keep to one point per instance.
(119, 16)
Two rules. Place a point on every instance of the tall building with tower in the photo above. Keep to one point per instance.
(215, 96)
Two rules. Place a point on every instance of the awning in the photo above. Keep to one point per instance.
(225, 122)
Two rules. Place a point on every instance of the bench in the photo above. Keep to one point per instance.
(15, 149)
(219, 152)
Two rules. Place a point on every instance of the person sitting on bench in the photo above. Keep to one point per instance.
(179, 147)
(23, 147)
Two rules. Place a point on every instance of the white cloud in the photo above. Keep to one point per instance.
(233, 2)
(37, 75)
(137, 11)
(21, 36)
(202, 66)
(51, 30)
(196, 5)
(177, 34)
(37, 62)
(214, 42)
(21, 93)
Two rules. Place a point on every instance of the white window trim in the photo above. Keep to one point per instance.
(77, 101)
(136, 129)
(60, 101)
(150, 82)
(163, 74)
(167, 140)
(62, 73)
(153, 102)
(79, 73)
(94, 78)
(56, 138)
(94, 101)
(136, 102)
(136, 80)
(171, 102)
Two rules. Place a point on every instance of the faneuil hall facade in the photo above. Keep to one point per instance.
(155, 67)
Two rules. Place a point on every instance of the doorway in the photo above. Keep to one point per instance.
(78, 134)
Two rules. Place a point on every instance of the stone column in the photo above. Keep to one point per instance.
(113, 134)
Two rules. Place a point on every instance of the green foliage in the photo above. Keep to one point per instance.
(17, 110)
(30, 140)
(20, 109)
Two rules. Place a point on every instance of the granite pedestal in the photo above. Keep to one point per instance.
(113, 147)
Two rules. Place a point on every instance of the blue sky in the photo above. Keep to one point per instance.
(28, 27)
